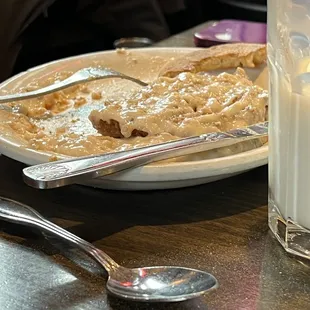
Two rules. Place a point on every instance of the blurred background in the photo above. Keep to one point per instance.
(36, 31)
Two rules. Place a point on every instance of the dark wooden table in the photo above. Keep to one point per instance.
(219, 227)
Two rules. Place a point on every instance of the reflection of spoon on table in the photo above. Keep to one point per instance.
(159, 283)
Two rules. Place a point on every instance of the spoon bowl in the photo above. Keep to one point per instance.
(159, 283)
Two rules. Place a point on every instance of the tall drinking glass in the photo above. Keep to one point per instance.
(289, 115)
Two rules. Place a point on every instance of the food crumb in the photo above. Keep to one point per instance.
(61, 130)
(122, 51)
(85, 89)
(53, 158)
(79, 102)
(96, 95)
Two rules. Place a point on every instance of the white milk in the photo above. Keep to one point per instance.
(289, 104)
(289, 147)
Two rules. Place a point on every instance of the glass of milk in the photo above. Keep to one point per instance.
(289, 116)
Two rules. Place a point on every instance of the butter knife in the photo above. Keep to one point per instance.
(76, 170)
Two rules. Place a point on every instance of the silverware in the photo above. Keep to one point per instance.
(159, 283)
(81, 76)
(77, 170)
(133, 42)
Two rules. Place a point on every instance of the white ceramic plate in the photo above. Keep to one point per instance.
(144, 65)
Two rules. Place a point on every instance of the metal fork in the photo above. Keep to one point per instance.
(81, 76)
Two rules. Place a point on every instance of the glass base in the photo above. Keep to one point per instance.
(294, 238)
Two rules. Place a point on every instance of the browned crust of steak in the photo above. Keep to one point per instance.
(112, 129)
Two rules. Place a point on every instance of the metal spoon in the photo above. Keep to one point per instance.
(159, 283)
(81, 76)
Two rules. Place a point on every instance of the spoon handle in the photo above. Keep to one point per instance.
(81, 76)
(19, 213)
(77, 170)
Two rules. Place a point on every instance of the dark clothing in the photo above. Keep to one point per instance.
(53, 25)
(15, 17)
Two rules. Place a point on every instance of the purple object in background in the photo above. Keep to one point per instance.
(231, 31)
